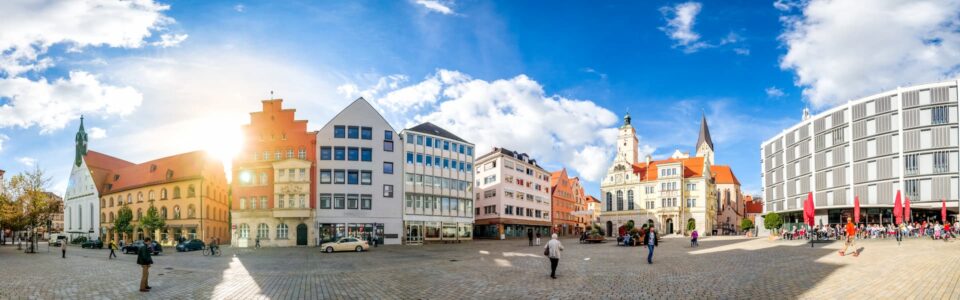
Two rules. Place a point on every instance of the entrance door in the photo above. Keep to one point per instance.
(669, 226)
(301, 235)
(609, 228)
(414, 234)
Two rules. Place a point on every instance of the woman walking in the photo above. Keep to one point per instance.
(552, 250)
(651, 240)
(693, 239)
(113, 247)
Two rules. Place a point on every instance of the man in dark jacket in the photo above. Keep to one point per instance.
(651, 240)
(530, 236)
(144, 260)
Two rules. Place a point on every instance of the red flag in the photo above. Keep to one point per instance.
(898, 210)
(808, 209)
(856, 209)
(906, 209)
(943, 210)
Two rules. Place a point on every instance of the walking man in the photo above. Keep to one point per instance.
(538, 238)
(651, 240)
(258, 243)
(63, 248)
(851, 232)
(113, 247)
(530, 236)
(553, 249)
(144, 260)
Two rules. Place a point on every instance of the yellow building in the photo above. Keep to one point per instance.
(189, 191)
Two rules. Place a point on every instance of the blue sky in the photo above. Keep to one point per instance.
(549, 78)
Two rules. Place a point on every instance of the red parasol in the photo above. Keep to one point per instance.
(856, 209)
(943, 210)
(906, 209)
(898, 210)
(808, 209)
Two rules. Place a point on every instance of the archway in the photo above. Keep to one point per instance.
(609, 228)
(669, 226)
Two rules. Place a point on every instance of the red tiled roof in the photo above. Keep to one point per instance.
(724, 175)
(183, 166)
(592, 199)
(753, 207)
(102, 167)
(692, 167)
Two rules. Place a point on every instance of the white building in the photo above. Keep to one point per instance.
(438, 185)
(361, 176)
(512, 196)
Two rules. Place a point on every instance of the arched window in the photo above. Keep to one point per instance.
(244, 231)
(629, 199)
(176, 192)
(69, 216)
(609, 201)
(129, 198)
(91, 216)
(191, 191)
(262, 231)
(163, 194)
(176, 212)
(103, 217)
(282, 231)
(191, 212)
(619, 200)
(243, 203)
(139, 197)
(208, 211)
(103, 202)
(139, 213)
(111, 217)
(163, 212)
(80, 217)
(150, 196)
(111, 201)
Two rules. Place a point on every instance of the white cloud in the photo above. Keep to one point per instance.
(741, 51)
(29, 29)
(27, 161)
(680, 20)
(239, 8)
(442, 7)
(51, 105)
(592, 71)
(3, 138)
(774, 92)
(514, 113)
(97, 133)
(787, 5)
(842, 50)
(170, 40)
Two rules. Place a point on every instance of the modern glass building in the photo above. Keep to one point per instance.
(900, 140)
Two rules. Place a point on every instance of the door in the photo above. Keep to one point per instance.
(301, 235)
(609, 228)
(669, 226)
(414, 233)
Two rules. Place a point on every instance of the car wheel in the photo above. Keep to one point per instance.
(359, 249)
(329, 249)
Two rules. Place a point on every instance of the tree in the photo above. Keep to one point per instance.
(122, 223)
(30, 205)
(746, 224)
(772, 221)
(152, 220)
(691, 224)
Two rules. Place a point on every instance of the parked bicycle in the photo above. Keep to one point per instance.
(215, 251)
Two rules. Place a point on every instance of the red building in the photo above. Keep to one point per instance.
(566, 198)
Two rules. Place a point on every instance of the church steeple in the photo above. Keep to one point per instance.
(81, 144)
(704, 142)
(627, 142)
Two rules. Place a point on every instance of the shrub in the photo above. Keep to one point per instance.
(772, 221)
(746, 224)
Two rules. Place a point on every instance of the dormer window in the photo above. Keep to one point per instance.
(169, 174)
(153, 168)
(116, 177)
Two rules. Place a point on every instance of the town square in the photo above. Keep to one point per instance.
(468, 149)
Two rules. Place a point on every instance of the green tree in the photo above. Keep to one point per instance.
(30, 205)
(772, 221)
(152, 220)
(746, 224)
(629, 226)
(691, 224)
(122, 223)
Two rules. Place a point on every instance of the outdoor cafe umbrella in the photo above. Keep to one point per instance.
(943, 210)
(906, 208)
(856, 209)
(808, 210)
(898, 210)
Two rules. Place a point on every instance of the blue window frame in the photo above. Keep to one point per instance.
(419, 158)
(353, 177)
(461, 149)
(387, 135)
(353, 153)
(409, 157)
(409, 138)
(339, 153)
(366, 154)
(469, 150)
(387, 167)
(339, 131)
(446, 163)
(353, 132)
(429, 160)
(366, 133)
(419, 140)
(461, 166)
(446, 145)
(429, 141)
(326, 153)
(453, 164)
(469, 167)
(453, 147)
(436, 160)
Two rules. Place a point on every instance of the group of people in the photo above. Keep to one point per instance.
(934, 230)
(553, 248)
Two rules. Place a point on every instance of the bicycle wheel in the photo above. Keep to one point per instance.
(218, 251)
(206, 251)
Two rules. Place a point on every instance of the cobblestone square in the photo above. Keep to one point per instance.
(721, 268)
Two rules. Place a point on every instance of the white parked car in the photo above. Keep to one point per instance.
(346, 244)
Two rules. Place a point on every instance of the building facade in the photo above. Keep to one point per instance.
(361, 177)
(566, 198)
(88, 176)
(438, 186)
(274, 190)
(669, 193)
(56, 218)
(729, 201)
(512, 196)
(188, 190)
(870, 148)
(593, 210)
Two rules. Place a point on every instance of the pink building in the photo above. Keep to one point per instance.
(512, 196)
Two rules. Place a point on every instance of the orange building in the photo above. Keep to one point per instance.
(189, 191)
(565, 192)
(273, 194)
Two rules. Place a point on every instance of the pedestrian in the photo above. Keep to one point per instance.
(63, 249)
(530, 236)
(651, 240)
(851, 231)
(113, 247)
(144, 260)
(552, 250)
(899, 233)
(693, 239)
(121, 243)
(258, 243)
(538, 238)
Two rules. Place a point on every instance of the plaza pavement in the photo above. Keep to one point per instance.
(721, 268)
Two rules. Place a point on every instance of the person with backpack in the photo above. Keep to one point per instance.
(552, 251)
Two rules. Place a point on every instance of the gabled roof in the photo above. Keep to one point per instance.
(592, 199)
(183, 166)
(102, 167)
(704, 134)
(724, 175)
(556, 176)
(430, 128)
(692, 167)
(753, 206)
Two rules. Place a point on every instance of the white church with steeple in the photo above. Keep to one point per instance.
(674, 193)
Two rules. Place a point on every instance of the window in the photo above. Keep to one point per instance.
(409, 138)
(325, 176)
(263, 178)
(366, 177)
(461, 149)
(325, 201)
(276, 155)
(692, 186)
(436, 161)
(282, 231)
(353, 177)
(244, 231)
(419, 140)
(366, 202)
(191, 212)
(429, 141)
(429, 160)
(691, 202)
(280, 201)
(366, 133)
(469, 167)
(352, 201)
(366, 154)
(469, 150)
(303, 201)
(388, 190)
(609, 201)
(939, 115)
(302, 154)
(446, 163)
(419, 158)
(409, 157)
(339, 201)
(941, 162)
(289, 153)
(263, 232)
(163, 195)
(387, 167)
(339, 177)
(353, 132)
(353, 154)
(630, 200)
(339, 153)
(490, 179)
(191, 191)
(325, 153)
(176, 212)
(446, 145)
(619, 200)
(387, 135)
(911, 165)
(282, 172)
(508, 209)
